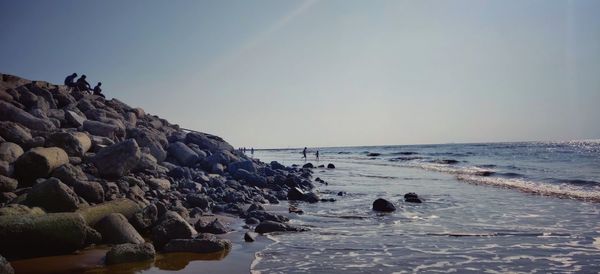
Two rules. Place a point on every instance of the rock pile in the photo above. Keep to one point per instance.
(77, 169)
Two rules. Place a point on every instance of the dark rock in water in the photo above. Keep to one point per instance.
(117, 160)
(172, 226)
(115, 229)
(10, 152)
(205, 243)
(328, 200)
(128, 253)
(214, 227)
(53, 196)
(184, 155)
(271, 226)
(311, 197)
(341, 193)
(321, 166)
(412, 197)
(330, 165)
(267, 216)
(373, 154)
(252, 221)
(295, 194)
(308, 165)
(298, 211)
(8, 184)
(250, 236)
(6, 268)
(383, 205)
(446, 161)
(38, 162)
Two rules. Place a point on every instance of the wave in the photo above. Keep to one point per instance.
(535, 187)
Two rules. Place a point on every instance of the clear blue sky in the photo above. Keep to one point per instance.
(327, 73)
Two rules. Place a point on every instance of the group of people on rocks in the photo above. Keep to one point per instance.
(82, 84)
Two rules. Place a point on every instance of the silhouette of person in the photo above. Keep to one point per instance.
(82, 84)
(70, 80)
(304, 153)
(252, 151)
(317, 154)
(98, 90)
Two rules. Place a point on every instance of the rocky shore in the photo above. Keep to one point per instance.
(78, 170)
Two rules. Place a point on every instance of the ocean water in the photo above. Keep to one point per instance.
(531, 207)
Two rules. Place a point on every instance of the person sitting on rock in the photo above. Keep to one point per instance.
(70, 80)
(98, 90)
(82, 84)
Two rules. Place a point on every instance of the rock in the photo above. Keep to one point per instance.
(117, 160)
(208, 142)
(204, 244)
(373, 154)
(94, 214)
(128, 253)
(90, 191)
(277, 166)
(251, 178)
(412, 197)
(145, 218)
(159, 184)
(217, 168)
(69, 174)
(53, 196)
(296, 210)
(10, 152)
(383, 205)
(7, 197)
(341, 193)
(245, 165)
(147, 163)
(267, 216)
(6, 169)
(214, 227)
(252, 221)
(172, 226)
(26, 236)
(19, 210)
(115, 229)
(75, 144)
(100, 129)
(183, 154)
(38, 162)
(8, 184)
(5, 267)
(330, 165)
(150, 139)
(74, 119)
(308, 165)
(13, 132)
(296, 194)
(198, 200)
(250, 236)
(271, 226)
(8, 112)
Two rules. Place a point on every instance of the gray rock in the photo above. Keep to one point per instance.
(251, 178)
(69, 174)
(204, 244)
(208, 142)
(271, 226)
(277, 166)
(159, 184)
(8, 112)
(245, 164)
(183, 154)
(172, 226)
(128, 253)
(100, 129)
(145, 218)
(147, 163)
(117, 160)
(10, 152)
(217, 168)
(198, 200)
(74, 119)
(53, 196)
(150, 139)
(267, 216)
(75, 143)
(115, 229)
(214, 227)
(90, 191)
(8, 184)
(38, 162)
(250, 236)
(13, 132)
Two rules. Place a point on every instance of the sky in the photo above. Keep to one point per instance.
(278, 74)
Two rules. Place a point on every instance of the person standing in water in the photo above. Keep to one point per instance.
(252, 151)
(317, 155)
(304, 153)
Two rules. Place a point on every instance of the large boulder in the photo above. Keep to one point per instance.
(383, 205)
(8, 112)
(94, 214)
(128, 253)
(245, 164)
(115, 229)
(172, 226)
(117, 160)
(90, 191)
(38, 162)
(145, 218)
(43, 235)
(53, 196)
(203, 244)
(100, 128)
(214, 227)
(208, 142)
(8, 184)
(150, 139)
(75, 143)
(69, 174)
(10, 152)
(183, 154)
(13, 132)
(74, 118)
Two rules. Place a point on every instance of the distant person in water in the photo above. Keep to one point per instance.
(70, 80)
(252, 150)
(82, 84)
(304, 153)
(98, 90)
(317, 155)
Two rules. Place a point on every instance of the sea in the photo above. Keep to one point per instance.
(526, 207)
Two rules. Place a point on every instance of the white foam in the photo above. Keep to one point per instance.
(562, 190)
